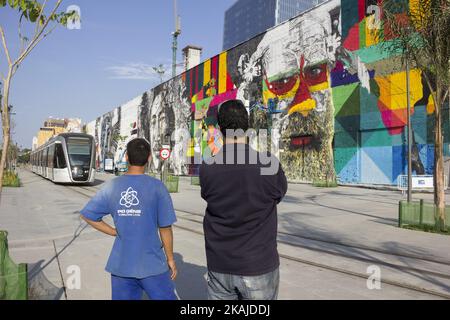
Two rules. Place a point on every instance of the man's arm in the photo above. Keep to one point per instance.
(101, 226)
(282, 182)
(167, 241)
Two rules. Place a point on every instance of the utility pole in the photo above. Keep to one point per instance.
(408, 103)
(175, 35)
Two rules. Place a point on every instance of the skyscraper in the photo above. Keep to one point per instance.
(247, 18)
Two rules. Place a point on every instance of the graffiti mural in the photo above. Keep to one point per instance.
(369, 93)
(112, 131)
(331, 99)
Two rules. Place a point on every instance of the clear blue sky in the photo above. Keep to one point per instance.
(84, 73)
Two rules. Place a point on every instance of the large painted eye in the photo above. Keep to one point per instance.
(316, 74)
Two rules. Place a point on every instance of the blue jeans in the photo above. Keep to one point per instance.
(159, 287)
(233, 287)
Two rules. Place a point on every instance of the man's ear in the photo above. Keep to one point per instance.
(126, 157)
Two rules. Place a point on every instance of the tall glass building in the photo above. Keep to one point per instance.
(247, 18)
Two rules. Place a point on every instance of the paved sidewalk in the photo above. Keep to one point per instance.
(45, 231)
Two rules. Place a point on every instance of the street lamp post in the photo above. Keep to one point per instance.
(175, 35)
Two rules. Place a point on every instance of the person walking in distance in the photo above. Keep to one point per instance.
(242, 190)
(142, 256)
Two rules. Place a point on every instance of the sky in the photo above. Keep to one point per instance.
(87, 72)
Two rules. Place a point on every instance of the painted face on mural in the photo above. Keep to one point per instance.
(155, 140)
(296, 59)
(296, 86)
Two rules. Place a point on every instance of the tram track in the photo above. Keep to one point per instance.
(359, 247)
(361, 259)
(90, 191)
(345, 271)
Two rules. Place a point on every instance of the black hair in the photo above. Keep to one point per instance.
(232, 115)
(138, 151)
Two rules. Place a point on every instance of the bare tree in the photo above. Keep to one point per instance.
(419, 31)
(35, 13)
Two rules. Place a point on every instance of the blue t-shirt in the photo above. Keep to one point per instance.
(139, 205)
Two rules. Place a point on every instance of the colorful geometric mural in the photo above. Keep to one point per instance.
(371, 107)
(330, 97)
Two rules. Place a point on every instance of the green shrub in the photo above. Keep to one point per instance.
(11, 179)
(195, 180)
(325, 184)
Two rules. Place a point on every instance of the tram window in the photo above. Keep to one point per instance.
(59, 160)
(46, 157)
(50, 156)
(79, 151)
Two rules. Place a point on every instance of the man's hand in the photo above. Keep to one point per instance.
(101, 226)
(167, 242)
(173, 269)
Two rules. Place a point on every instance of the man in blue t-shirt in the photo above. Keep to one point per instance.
(140, 206)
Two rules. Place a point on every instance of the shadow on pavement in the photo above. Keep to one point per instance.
(339, 244)
(39, 287)
(190, 282)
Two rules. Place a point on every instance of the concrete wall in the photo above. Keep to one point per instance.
(333, 101)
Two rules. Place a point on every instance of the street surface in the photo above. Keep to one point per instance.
(328, 238)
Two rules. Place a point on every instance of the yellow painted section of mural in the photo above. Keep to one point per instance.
(206, 72)
(319, 87)
(304, 107)
(371, 32)
(267, 94)
(223, 72)
(419, 10)
(393, 89)
(430, 105)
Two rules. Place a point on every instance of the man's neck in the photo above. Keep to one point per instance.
(236, 140)
(135, 170)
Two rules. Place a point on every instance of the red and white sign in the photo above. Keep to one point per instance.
(164, 154)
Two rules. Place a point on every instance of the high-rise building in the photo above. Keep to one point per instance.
(247, 18)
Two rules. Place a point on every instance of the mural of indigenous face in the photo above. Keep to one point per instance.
(295, 61)
(181, 135)
(144, 108)
(162, 122)
(332, 100)
(155, 136)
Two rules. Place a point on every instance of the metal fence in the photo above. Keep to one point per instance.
(420, 182)
(419, 213)
(13, 277)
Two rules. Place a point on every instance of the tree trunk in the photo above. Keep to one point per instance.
(439, 195)
(5, 127)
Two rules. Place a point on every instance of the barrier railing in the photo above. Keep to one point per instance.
(419, 182)
(419, 213)
(13, 277)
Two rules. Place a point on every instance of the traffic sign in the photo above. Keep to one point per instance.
(164, 154)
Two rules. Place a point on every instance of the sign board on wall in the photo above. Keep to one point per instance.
(422, 182)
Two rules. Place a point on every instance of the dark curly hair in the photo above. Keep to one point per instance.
(232, 115)
(138, 151)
